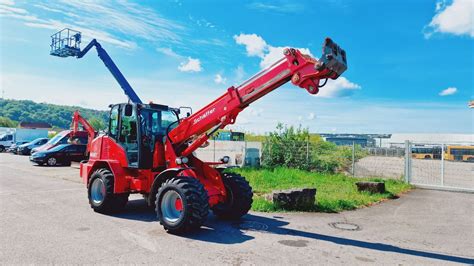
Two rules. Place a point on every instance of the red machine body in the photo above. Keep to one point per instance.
(77, 120)
(149, 149)
(172, 155)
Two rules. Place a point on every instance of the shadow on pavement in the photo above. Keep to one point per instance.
(227, 232)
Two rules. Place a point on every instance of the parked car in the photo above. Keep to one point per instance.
(62, 138)
(14, 135)
(62, 154)
(25, 149)
(13, 147)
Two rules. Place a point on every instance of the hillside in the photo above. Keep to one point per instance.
(57, 115)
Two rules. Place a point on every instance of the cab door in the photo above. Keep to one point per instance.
(123, 129)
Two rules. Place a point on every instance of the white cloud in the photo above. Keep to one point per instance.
(218, 79)
(191, 65)
(5, 8)
(340, 87)
(448, 91)
(7, 2)
(279, 8)
(269, 54)
(168, 52)
(254, 44)
(311, 116)
(126, 17)
(457, 18)
(100, 20)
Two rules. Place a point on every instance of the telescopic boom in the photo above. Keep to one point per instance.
(303, 71)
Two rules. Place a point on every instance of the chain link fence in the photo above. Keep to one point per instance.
(430, 165)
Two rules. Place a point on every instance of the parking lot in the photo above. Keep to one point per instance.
(45, 218)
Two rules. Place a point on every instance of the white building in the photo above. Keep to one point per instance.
(428, 138)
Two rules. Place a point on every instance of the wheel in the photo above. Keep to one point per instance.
(67, 163)
(239, 197)
(101, 193)
(427, 157)
(51, 161)
(2, 148)
(182, 204)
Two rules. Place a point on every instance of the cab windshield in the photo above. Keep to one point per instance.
(156, 122)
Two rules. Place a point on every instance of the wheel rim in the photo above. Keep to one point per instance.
(52, 161)
(172, 207)
(98, 191)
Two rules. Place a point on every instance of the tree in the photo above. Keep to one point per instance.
(7, 122)
(97, 123)
(56, 115)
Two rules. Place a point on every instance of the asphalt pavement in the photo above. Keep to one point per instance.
(45, 218)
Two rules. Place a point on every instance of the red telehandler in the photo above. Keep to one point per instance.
(91, 133)
(148, 149)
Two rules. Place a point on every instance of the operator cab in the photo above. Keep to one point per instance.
(141, 130)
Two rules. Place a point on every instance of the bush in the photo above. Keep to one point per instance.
(296, 148)
(285, 147)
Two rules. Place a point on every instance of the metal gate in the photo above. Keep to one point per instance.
(440, 166)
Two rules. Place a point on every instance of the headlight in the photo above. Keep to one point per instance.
(182, 160)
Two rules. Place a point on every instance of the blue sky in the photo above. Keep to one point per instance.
(411, 66)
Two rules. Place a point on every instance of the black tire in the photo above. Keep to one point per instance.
(194, 204)
(2, 148)
(110, 203)
(239, 197)
(427, 157)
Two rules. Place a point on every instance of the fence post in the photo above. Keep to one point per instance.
(245, 155)
(442, 164)
(353, 158)
(307, 150)
(407, 161)
(214, 150)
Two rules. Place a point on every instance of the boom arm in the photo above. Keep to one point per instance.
(66, 42)
(303, 71)
(112, 67)
(78, 119)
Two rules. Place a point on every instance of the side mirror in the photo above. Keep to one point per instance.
(128, 110)
(188, 112)
(225, 159)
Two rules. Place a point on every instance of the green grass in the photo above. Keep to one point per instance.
(334, 192)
